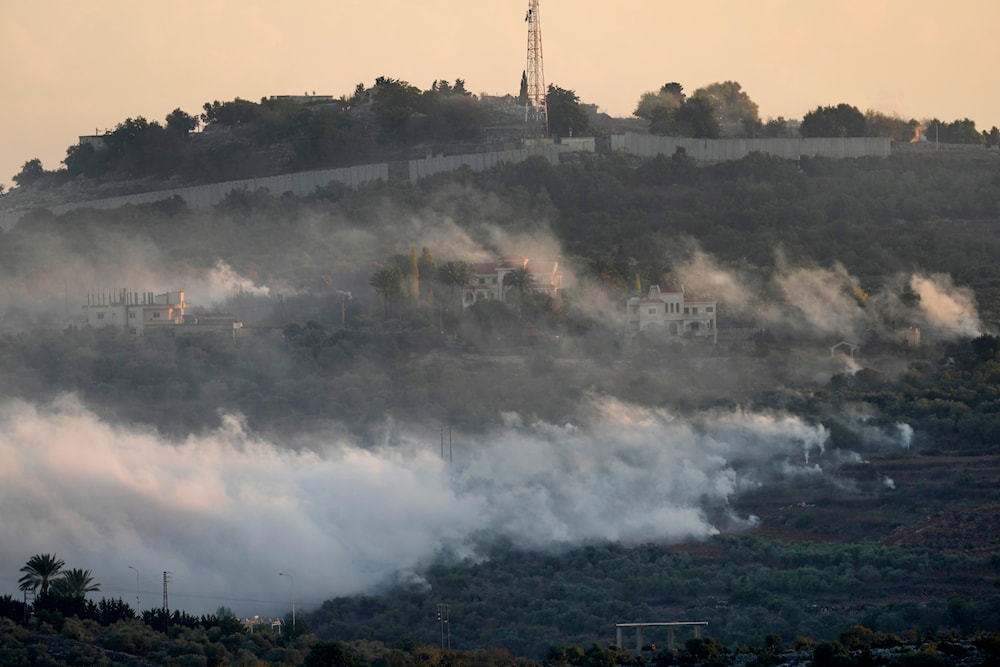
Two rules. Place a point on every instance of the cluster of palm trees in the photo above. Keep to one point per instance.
(388, 280)
(44, 575)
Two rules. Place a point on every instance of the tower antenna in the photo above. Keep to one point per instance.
(536, 115)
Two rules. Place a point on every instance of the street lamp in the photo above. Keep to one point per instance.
(138, 605)
(344, 296)
(292, 577)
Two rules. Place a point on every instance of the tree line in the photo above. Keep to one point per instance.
(367, 124)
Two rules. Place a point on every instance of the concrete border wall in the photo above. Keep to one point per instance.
(722, 150)
(206, 196)
(306, 182)
(481, 161)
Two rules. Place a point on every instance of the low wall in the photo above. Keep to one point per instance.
(481, 161)
(206, 196)
(306, 182)
(722, 150)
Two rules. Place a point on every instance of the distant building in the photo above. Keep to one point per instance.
(95, 140)
(144, 313)
(305, 98)
(488, 279)
(669, 311)
(845, 348)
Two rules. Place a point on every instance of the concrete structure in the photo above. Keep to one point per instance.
(723, 150)
(846, 349)
(305, 98)
(302, 184)
(697, 625)
(644, 145)
(667, 310)
(488, 279)
(305, 183)
(145, 313)
(479, 162)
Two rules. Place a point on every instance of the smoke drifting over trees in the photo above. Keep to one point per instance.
(211, 508)
(315, 436)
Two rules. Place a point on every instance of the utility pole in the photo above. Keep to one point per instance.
(138, 604)
(445, 627)
(344, 296)
(451, 454)
(166, 605)
(536, 115)
(292, 577)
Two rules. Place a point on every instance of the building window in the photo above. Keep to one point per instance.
(687, 311)
(651, 311)
(156, 316)
(709, 309)
(132, 331)
(131, 315)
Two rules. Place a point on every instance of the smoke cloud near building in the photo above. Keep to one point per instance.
(224, 512)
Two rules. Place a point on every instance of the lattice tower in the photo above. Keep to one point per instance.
(536, 115)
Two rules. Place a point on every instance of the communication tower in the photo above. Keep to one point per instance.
(536, 115)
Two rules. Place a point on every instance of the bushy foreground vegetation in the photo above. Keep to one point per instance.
(766, 603)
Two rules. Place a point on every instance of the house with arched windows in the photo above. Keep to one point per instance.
(670, 311)
(490, 279)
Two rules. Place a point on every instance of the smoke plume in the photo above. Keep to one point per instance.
(225, 512)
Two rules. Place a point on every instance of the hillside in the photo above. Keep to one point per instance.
(765, 484)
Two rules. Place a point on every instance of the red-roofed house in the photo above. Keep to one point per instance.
(671, 311)
(487, 282)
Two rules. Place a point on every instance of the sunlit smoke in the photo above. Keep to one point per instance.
(946, 306)
(702, 274)
(224, 512)
(222, 282)
(823, 300)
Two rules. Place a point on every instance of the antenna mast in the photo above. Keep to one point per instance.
(536, 115)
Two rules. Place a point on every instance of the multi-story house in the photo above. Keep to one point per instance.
(488, 279)
(143, 313)
(669, 311)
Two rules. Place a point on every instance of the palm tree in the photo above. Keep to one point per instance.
(386, 282)
(39, 572)
(520, 281)
(75, 583)
(455, 275)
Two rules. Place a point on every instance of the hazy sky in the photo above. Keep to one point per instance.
(72, 67)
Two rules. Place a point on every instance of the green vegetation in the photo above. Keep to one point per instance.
(819, 600)
(393, 119)
(854, 565)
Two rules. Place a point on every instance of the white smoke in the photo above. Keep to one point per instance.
(946, 306)
(222, 282)
(702, 274)
(905, 432)
(226, 511)
(821, 299)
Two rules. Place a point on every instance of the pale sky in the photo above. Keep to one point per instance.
(71, 67)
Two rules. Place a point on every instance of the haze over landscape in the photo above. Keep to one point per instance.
(79, 67)
(398, 431)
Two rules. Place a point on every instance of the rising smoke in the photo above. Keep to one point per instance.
(225, 512)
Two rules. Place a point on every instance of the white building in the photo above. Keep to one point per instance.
(488, 279)
(667, 310)
(143, 313)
